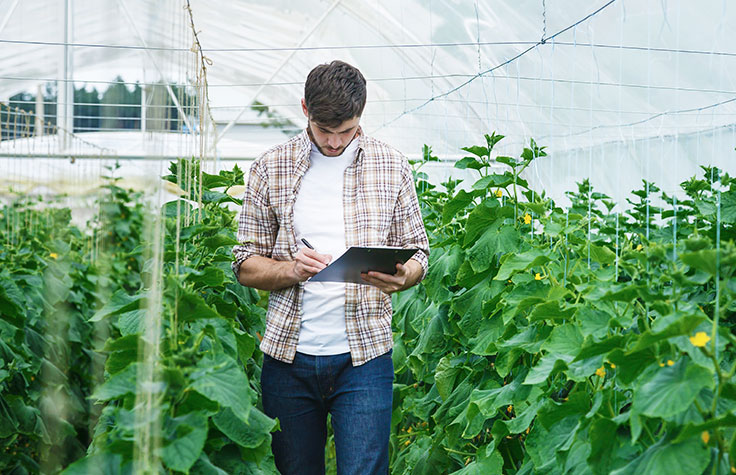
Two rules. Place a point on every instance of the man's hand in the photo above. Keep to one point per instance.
(308, 262)
(406, 276)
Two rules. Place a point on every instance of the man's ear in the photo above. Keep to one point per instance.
(304, 109)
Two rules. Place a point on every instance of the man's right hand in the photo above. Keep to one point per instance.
(308, 262)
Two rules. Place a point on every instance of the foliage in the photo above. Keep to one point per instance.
(205, 416)
(544, 339)
(578, 340)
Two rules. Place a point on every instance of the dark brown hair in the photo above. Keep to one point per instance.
(334, 93)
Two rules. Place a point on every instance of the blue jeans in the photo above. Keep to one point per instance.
(359, 398)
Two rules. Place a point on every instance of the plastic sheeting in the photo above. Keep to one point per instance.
(617, 91)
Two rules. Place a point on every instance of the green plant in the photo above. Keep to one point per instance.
(193, 404)
(559, 340)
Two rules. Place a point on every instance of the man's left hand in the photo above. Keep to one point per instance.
(406, 276)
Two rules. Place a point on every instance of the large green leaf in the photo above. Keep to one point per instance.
(668, 326)
(547, 365)
(444, 376)
(119, 384)
(119, 302)
(513, 263)
(249, 434)
(191, 306)
(220, 378)
(184, 439)
(493, 241)
(672, 389)
(11, 300)
(665, 458)
(457, 203)
(704, 260)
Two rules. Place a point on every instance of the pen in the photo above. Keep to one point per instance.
(306, 243)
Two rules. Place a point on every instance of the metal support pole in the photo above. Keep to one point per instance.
(39, 112)
(65, 101)
(144, 99)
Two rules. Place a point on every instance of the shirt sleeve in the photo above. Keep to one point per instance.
(257, 226)
(407, 226)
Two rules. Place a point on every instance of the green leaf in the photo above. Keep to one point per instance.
(119, 302)
(118, 384)
(564, 340)
(492, 181)
(550, 311)
(603, 445)
(224, 239)
(513, 263)
(98, 462)
(669, 326)
(209, 277)
(493, 241)
(250, 434)
(488, 462)
(602, 254)
(443, 269)
(11, 301)
(547, 365)
(444, 377)
(191, 306)
(704, 260)
(477, 150)
(219, 378)
(592, 348)
(469, 162)
(728, 207)
(508, 161)
(184, 439)
(672, 389)
(666, 458)
(458, 203)
(203, 466)
(246, 345)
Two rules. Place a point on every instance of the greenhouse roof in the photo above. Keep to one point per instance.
(579, 77)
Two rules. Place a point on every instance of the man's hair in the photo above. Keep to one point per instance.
(334, 93)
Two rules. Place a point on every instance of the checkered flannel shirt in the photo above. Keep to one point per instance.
(380, 208)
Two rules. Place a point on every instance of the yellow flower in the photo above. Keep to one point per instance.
(538, 276)
(53, 255)
(639, 247)
(601, 372)
(700, 339)
(499, 193)
(733, 469)
(527, 219)
(661, 365)
(613, 366)
(510, 408)
(705, 436)
(670, 362)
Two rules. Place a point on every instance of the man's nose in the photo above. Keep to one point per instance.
(334, 141)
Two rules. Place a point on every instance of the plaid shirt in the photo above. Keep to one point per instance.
(380, 209)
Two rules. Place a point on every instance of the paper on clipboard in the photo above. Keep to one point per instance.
(349, 266)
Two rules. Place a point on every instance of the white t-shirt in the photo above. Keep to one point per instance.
(318, 218)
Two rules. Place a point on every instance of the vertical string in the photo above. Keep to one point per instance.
(717, 315)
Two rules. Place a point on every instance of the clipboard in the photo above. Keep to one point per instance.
(349, 266)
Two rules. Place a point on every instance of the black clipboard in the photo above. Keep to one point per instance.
(349, 266)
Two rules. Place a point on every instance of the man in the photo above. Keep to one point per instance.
(327, 346)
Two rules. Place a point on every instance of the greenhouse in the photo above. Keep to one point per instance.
(533, 268)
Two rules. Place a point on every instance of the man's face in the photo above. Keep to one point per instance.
(332, 141)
